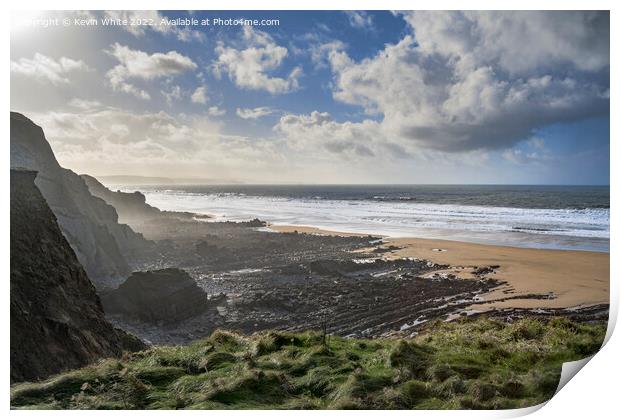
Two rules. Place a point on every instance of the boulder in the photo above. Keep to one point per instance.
(162, 296)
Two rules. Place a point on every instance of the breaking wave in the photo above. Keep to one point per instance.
(571, 228)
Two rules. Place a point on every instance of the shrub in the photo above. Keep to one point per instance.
(411, 356)
(527, 329)
(512, 389)
(216, 360)
(481, 391)
(318, 381)
(227, 340)
(415, 391)
(441, 372)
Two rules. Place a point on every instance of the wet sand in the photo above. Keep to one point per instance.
(568, 278)
(311, 230)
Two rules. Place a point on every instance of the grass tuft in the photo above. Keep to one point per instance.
(472, 364)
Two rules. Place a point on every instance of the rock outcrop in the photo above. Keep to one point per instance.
(57, 321)
(132, 208)
(162, 296)
(90, 225)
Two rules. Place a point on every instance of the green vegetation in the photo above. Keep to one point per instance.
(479, 363)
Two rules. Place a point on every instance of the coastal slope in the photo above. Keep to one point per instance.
(469, 364)
(57, 322)
(91, 226)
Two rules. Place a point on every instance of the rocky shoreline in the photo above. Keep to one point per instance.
(351, 285)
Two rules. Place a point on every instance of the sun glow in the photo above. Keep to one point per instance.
(24, 21)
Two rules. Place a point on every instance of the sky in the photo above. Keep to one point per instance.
(320, 97)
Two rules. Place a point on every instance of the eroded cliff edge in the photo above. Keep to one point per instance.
(91, 226)
(57, 321)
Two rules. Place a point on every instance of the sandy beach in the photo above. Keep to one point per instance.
(568, 278)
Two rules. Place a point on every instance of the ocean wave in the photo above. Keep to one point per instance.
(512, 225)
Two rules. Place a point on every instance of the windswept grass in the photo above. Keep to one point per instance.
(466, 364)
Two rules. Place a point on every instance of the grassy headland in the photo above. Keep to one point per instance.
(479, 363)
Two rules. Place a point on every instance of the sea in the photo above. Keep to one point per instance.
(551, 217)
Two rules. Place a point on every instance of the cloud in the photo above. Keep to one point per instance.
(47, 69)
(451, 88)
(200, 95)
(174, 94)
(136, 64)
(517, 42)
(216, 111)
(150, 142)
(532, 151)
(448, 86)
(360, 19)
(84, 104)
(249, 66)
(182, 34)
(319, 129)
(255, 113)
(320, 53)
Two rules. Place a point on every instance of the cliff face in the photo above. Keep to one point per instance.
(89, 223)
(57, 321)
(131, 207)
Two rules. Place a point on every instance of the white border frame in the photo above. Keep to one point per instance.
(592, 394)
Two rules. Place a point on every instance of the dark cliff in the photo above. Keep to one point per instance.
(57, 321)
(89, 223)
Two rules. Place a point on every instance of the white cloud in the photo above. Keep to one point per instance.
(181, 33)
(537, 143)
(521, 157)
(449, 89)
(516, 42)
(216, 111)
(84, 104)
(360, 19)
(532, 151)
(119, 130)
(174, 94)
(318, 131)
(254, 113)
(249, 66)
(358, 143)
(200, 95)
(44, 68)
(151, 142)
(136, 64)
(320, 53)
